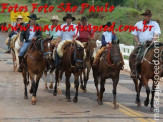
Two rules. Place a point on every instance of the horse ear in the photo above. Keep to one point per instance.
(51, 38)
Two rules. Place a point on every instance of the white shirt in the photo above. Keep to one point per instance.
(31, 33)
(67, 35)
(147, 35)
(108, 36)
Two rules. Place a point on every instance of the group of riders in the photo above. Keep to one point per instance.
(141, 38)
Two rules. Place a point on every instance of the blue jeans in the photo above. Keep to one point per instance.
(24, 48)
(56, 58)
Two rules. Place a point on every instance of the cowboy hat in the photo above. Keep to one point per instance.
(55, 17)
(84, 18)
(19, 17)
(33, 16)
(107, 24)
(68, 16)
(147, 12)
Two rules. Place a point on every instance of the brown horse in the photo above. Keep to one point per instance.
(50, 65)
(147, 70)
(33, 65)
(89, 49)
(72, 62)
(109, 67)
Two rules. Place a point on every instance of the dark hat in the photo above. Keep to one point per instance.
(84, 18)
(107, 24)
(68, 16)
(147, 12)
(33, 16)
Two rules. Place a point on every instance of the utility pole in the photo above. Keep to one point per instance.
(93, 2)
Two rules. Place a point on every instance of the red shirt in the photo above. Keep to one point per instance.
(84, 33)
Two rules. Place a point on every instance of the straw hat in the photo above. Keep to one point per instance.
(55, 17)
(19, 17)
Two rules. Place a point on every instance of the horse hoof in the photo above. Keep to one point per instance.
(25, 97)
(33, 101)
(31, 91)
(59, 91)
(75, 100)
(116, 106)
(55, 94)
(138, 104)
(68, 100)
(146, 103)
(151, 109)
(100, 102)
(50, 86)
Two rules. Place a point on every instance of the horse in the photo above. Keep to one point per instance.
(89, 49)
(33, 65)
(147, 70)
(72, 62)
(109, 67)
(15, 48)
(50, 64)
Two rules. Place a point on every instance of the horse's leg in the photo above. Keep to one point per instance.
(24, 73)
(95, 76)
(102, 89)
(137, 92)
(145, 83)
(76, 76)
(51, 79)
(14, 60)
(17, 59)
(152, 98)
(68, 74)
(81, 80)
(87, 76)
(33, 88)
(115, 82)
(45, 79)
(56, 81)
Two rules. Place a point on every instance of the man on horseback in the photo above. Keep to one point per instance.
(107, 38)
(143, 39)
(65, 35)
(52, 31)
(31, 34)
(14, 32)
(85, 34)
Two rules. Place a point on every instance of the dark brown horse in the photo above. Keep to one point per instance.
(50, 64)
(151, 67)
(89, 49)
(72, 62)
(109, 67)
(33, 65)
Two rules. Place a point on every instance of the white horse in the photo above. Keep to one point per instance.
(15, 51)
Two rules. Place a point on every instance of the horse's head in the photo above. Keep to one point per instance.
(47, 48)
(78, 56)
(115, 52)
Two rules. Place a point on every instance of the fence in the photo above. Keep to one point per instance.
(126, 51)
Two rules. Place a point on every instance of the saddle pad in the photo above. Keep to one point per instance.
(63, 44)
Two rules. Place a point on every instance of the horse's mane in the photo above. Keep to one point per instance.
(159, 44)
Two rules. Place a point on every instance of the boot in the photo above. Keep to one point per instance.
(134, 73)
(20, 64)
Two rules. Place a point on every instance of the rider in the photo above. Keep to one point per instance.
(85, 34)
(107, 38)
(144, 39)
(65, 35)
(29, 35)
(53, 32)
(12, 34)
